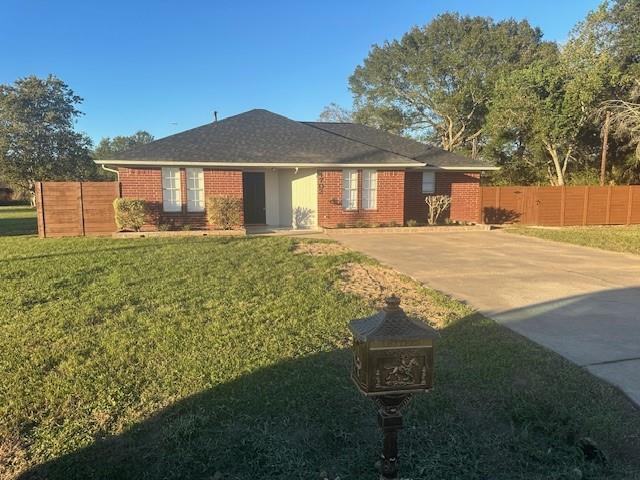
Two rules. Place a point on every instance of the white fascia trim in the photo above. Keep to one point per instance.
(460, 169)
(170, 163)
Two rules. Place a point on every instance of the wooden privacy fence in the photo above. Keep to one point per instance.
(68, 209)
(560, 206)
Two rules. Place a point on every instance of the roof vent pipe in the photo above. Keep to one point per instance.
(215, 116)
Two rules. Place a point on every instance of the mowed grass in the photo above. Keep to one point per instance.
(18, 220)
(229, 359)
(615, 238)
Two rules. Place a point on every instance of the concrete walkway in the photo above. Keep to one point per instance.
(580, 302)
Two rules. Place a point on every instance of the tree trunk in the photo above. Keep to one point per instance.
(559, 170)
(605, 148)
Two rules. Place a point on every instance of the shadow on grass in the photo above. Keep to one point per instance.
(140, 244)
(502, 408)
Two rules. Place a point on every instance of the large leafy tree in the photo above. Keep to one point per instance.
(549, 105)
(436, 82)
(37, 136)
(109, 146)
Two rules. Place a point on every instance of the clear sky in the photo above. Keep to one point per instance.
(164, 66)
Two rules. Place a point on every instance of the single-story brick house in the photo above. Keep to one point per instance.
(296, 174)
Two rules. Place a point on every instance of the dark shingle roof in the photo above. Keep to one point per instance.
(422, 152)
(260, 136)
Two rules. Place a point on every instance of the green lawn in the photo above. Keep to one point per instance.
(615, 238)
(18, 220)
(207, 358)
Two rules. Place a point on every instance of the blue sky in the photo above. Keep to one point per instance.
(164, 66)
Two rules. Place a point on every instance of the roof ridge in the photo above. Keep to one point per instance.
(360, 141)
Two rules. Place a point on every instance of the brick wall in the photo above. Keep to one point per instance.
(146, 184)
(463, 187)
(390, 199)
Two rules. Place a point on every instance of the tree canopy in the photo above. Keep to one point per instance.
(498, 90)
(108, 146)
(436, 82)
(37, 136)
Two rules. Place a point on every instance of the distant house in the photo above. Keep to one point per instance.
(5, 193)
(296, 174)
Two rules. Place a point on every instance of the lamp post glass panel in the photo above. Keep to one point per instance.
(392, 359)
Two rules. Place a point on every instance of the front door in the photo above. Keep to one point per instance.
(254, 202)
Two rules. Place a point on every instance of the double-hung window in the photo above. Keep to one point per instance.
(195, 190)
(369, 189)
(350, 189)
(428, 182)
(171, 194)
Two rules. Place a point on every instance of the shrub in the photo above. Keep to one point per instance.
(186, 227)
(224, 212)
(393, 223)
(129, 213)
(164, 227)
(412, 223)
(361, 224)
(436, 204)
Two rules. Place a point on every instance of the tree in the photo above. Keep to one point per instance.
(335, 113)
(549, 104)
(436, 82)
(37, 138)
(109, 146)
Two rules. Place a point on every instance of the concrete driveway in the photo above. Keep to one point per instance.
(580, 302)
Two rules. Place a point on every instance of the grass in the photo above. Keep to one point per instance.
(18, 220)
(615, 238)
(209, 358)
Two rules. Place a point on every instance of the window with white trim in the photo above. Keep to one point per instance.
(369, 189)
(195, 190)
(428, 182)
(171, 194)
(350, 189)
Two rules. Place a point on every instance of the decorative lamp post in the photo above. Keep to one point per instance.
(392, 359)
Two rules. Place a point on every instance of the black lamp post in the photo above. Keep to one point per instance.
(392, 359)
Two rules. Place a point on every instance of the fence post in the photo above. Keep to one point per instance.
(81, 209)
(585, 206)
(630, 205)
(537, 204)
(40, 210)
(563, 203)
(607, 219)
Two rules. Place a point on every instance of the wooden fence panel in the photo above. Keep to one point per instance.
(67, 209)
(634, 206)
(574, 205)
(97, 205)
(548, 204)
(561, 206)
(597, 206)
(619, 205)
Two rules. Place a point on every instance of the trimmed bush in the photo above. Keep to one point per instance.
(224, 212)
(412, 223)
(129, 213)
